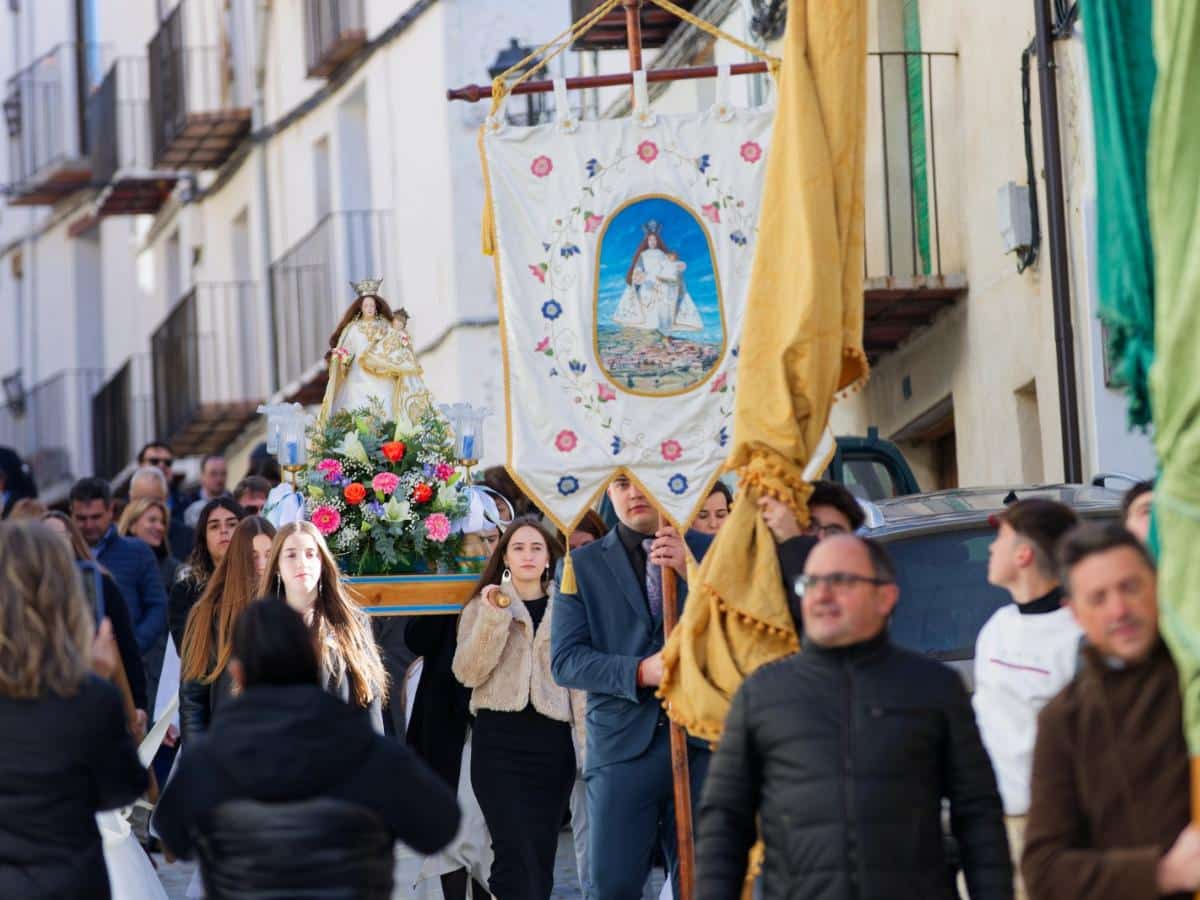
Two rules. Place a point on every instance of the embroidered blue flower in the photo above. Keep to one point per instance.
(723, 436)
(577, 367)
(738, 238)
(545, 246)
(593, 167)
(551, 309)
(678, 483)
(703, 163)
(616, 445)
(567, 485)
(568, 250)
(553, 373)
(736, 349)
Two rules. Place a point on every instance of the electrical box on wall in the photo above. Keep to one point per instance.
(1016, 227)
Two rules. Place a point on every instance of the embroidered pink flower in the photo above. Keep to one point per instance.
(751, 152)
(712, 212)
(539, 273)
(566, 441)
(605, 393)
(326, 519)
(330, 468)
(542, 166)
(719, 383)
(385, 482)
(671, 450)
(647, 151)
(437, 527)
(542, 345)
(443, 472)
(591, 222)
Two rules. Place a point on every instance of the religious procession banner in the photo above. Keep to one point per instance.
(623, 251)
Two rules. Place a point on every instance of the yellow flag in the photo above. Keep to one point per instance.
(801, 345)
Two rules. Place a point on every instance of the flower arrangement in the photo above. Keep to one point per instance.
(386, 506)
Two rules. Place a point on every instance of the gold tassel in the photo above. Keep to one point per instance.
(568, 585)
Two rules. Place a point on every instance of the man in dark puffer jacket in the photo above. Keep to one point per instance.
(844, 753)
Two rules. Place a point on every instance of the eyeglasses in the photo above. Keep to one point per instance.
(164, 461)
(826, 531)
(838, 582)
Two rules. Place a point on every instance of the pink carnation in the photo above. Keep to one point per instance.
(385, 482)
(443, 471)
(330, 468)
(605, 393)
(542, 345)
(592, 222)
(437, 527)
(326, 519)
(712, 212)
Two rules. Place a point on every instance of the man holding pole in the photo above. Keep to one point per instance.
(607, 640)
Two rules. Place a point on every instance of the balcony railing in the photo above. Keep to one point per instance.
(54, 433)
(200, 84)
(311, 283)
(44, 115)
(334, 30)
(210, 367)
(118, 120)
(912, 261)
(122, 416)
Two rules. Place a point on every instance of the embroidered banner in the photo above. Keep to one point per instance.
(623, 251)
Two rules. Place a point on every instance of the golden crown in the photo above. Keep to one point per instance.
(367, 286)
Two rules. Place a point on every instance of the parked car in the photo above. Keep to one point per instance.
(939, 542)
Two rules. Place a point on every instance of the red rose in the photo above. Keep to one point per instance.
(393, 451)
(354, 493)
(422, 493)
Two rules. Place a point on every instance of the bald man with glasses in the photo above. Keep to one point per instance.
(843, 755)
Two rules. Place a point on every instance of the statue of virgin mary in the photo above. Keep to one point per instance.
(656, 297)
(364, 325)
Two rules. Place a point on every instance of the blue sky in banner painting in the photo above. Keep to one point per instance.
(681, 234)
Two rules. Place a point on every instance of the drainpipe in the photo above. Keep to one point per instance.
(1064, 335)
(259, 121)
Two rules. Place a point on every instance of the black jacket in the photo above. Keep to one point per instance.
(437, 725)
(199, 702)
(847, 754)
(181, 597)
(287, 744)
(62, 760)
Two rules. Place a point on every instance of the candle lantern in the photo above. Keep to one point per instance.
(466, 421)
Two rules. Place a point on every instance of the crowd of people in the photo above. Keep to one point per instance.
(447, 756)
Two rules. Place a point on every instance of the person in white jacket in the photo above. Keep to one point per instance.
(1025, 654)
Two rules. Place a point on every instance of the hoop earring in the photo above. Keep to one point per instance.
(506, 576)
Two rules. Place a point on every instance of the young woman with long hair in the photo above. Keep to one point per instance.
(115, 610)
(303, 572)
(205, 682)
(214, 531)
(67, 753)
(523, 753)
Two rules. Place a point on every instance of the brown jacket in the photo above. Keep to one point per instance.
(1110, 783)
(507, 665)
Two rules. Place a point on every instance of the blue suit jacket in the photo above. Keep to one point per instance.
(134, 568)
(599, 635)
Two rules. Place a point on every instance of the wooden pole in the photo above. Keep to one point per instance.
(680, 775)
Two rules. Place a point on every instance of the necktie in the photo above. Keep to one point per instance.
(653, 582)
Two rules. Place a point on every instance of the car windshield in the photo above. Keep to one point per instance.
(945, 598)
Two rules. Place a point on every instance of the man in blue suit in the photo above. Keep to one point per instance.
(607, 640)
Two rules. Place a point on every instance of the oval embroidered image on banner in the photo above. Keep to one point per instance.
(660, 329)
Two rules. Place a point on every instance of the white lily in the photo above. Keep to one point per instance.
(397, 510)
(351, 447)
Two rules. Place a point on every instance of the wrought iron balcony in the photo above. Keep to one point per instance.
(54, 431)
(609, 33)
(334, 30)
(912, 259)
(210, 366)
(200, 84)
(312, 291)
(44, 115)
(118, 127)
(122, 416)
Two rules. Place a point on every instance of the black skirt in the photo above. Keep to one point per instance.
(522, 770)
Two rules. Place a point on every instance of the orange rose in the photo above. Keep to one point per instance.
(422, 493)
(354, 493)
(393, 451)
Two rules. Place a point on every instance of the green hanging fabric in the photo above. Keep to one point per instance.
(1120, 54)
(1174, 206)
